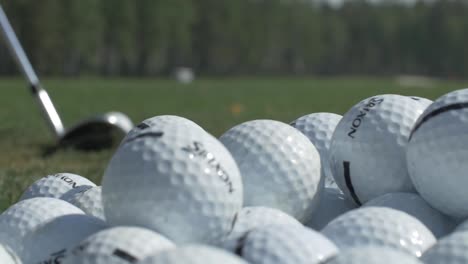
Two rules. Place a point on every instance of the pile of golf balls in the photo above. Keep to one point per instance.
(383, 183)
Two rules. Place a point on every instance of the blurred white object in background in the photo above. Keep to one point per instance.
(184, 74)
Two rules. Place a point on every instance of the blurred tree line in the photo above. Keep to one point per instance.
(151, 37)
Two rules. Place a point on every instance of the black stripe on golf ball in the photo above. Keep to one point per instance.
(241, 243)
(349, 184)
(148, 134)
(124, 255)
(143, 125)
(437, 112)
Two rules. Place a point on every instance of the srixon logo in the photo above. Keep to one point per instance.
(198, 150)
(357, 121)
(66, 179)
(55, 258)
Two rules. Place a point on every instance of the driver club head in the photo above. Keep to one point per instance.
(98, 132)
(92, 134)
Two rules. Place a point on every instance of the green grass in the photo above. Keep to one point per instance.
(215, 104)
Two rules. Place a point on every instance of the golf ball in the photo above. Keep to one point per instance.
(25, 216)
(413, 204)
(373, 255)
(50, 242)
(252, 217)
(118, 245)
(452, 249)
(319, 128)
(437, 153)
(285, 244)
(162, 121)
(55, 185)
(7, 256)
(367, 151)
(89, 200)
(423, 101)
(380, 226)
(172, 180)
(193, 254)
(333, 203)
(280, 167)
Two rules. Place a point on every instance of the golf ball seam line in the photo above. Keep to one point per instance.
(437, 112)
(349, 184)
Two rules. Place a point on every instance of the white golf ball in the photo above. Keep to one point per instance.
(193, 254)
(437, 151)
(252, 217)
(333, 203)
(280, 167)
(423, 101)
(452, 249)
(319, 128)
(7, 256)
(55, 185)
(367, 152)
(285, 244)
(27, 215)
(118, 245)
(172, 180)
(50, 242)
(184, 75)
(89, 200)
(373, 255)
(380, 226)
(162, 121)
(413, 204)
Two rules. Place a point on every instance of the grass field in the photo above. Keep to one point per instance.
(215, 104)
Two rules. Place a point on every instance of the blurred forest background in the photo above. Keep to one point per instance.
(152, 37)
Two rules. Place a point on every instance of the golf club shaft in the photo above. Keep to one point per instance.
(48, 109)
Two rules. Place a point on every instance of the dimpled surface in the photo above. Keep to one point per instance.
(380, 226)
(25, 216)
(319, 128)
(89, 200)
(256, 216)
(172, 180)
(161, 121)
(452, 249)
(285, 244)
(413, 204)
(437, 153)
(55, 185)
(373, 255)
(118, 245)
(280, 167)
(75, 191)
(193, 254)
(367, 152)
(333, 203)
(423, 101)
(7, 256)
(50, 242)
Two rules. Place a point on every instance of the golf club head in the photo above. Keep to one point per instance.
(98, 132)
